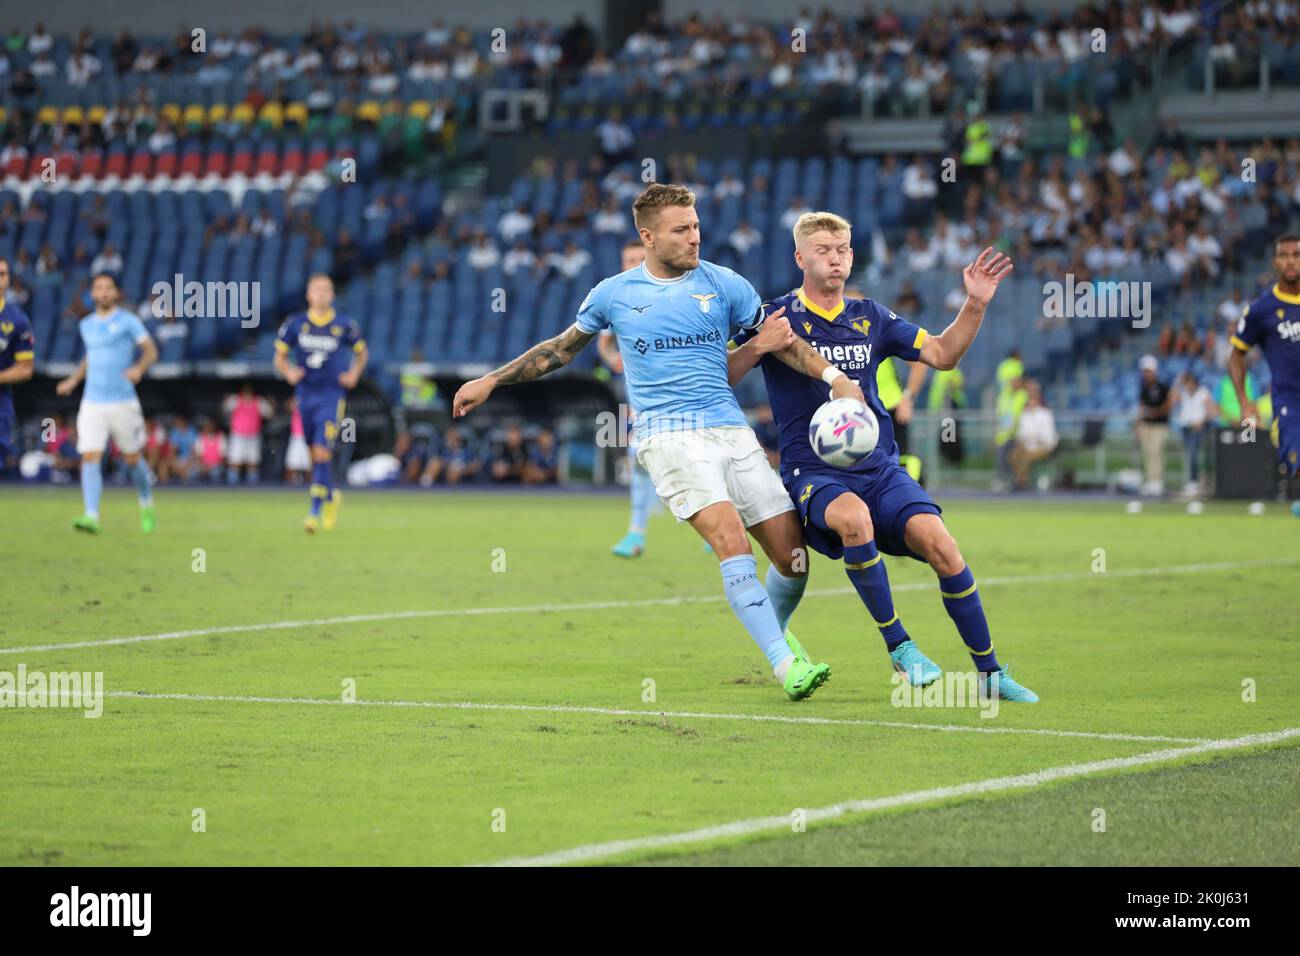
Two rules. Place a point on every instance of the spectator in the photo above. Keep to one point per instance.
(616, 139)
(157, 450)
(183, 439)
(109, 260)
(1010, 403)
(511, 457)
(297, 457)
(1036, 436)
(543, 460)
(482, 254)
(520, 257)
(1154, 402)
(744, 237)
(456, 463)
(1195, 412)
(515, 223)
(245, 412)
(211, 458)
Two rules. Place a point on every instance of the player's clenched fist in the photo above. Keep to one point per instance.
(471, 395)
(775, 334)
(845, 387)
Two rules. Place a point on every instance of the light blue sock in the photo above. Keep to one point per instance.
(643, 493)
(140, 475)
(785, 593)
(92, 486)
(752, 604)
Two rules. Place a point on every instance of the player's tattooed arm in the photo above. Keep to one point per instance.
(981, 279)
(802, 357)
(774, 334)
(542, 359)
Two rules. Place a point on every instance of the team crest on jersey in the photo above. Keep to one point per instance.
(807, 327)
(862, 325)
(6, 327)
(336, 331)
(704, 300)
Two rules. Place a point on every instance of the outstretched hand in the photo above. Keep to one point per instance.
(982, 276)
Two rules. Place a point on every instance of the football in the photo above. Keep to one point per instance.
(843, 432)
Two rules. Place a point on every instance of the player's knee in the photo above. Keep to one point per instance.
(942, 553)
(852, 522)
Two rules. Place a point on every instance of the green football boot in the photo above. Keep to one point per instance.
(87, 524)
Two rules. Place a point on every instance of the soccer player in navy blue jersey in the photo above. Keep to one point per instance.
(328, 356)
(876, 506)
(1272, 322)
(17, 355)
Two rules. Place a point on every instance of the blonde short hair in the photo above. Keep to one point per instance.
(655, 197)
(811, 222)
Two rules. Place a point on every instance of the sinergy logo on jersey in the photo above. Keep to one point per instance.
(855, 355)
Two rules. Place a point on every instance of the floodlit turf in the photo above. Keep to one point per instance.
(1149, 647)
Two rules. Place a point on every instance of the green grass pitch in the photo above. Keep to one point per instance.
(546, 696)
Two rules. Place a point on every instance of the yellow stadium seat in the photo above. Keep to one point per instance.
(420, 109)
(217, 112)
(171, 112)
(97, 113)
(242, 113)
(47, 115)
(369, 110)
(194, 114)
(73, 115)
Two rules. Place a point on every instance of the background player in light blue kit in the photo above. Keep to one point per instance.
(849, 512)
(328, 356)
(109, 406)
(641, 488)
(673, 316)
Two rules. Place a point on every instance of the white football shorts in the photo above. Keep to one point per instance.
(698, 467)
(123, 421)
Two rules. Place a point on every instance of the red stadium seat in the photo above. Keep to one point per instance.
(17, 165)
(167, 164)
(67, 163)
(242, 162)
(115, 165)
(292, 161)
(218, 160)
(191, 163)
(141, 164)
(318, 158)
(37, 163)
(92, 163)
(268, 160)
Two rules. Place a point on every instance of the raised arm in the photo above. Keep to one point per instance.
(981, 279)
(542, 359)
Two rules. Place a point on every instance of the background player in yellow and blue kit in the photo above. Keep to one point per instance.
(1273, 323)
(17, 357)
(876, 506)
(322, 354)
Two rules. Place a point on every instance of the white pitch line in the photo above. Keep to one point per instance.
(677, 714)
(740, 828)
(610, 605)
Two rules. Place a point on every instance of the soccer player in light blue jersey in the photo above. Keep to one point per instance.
(673, 316)
(641, 488)
(109, 406)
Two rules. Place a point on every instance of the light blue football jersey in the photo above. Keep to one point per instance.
(673, 336)
(110, 350)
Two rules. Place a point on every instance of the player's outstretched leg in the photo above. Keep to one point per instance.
(720, 525)
(642, 492)
(92, 487)
(139, 470)
(927, 536)
(848, 516)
